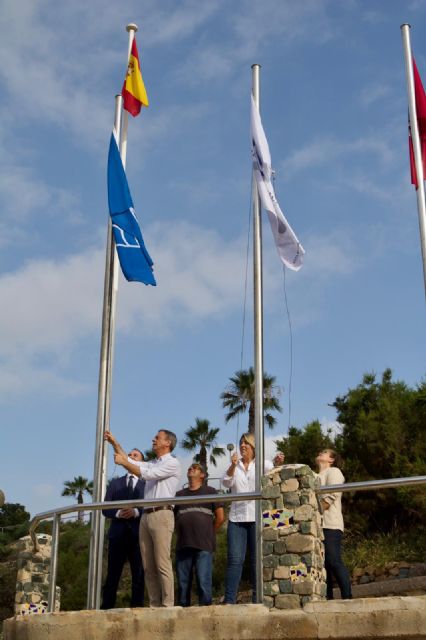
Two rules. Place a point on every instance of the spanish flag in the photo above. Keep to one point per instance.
(133, 91)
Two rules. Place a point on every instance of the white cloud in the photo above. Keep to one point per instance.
(168, 24)
(50, 76)
(331, 427)
(326, 150)
(241, 39)
(373, 93)
(50, 306)
(23, 194)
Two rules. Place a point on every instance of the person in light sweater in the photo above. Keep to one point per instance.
(328, 462)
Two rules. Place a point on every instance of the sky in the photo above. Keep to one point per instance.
(334, 108)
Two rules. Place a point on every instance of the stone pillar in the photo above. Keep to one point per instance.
(293, 551)
(32, 582)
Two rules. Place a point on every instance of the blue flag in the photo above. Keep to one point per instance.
(135, 261)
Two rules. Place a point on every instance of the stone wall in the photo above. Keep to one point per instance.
(293, 551)
(32, 581)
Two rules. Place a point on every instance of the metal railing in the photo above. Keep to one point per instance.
(55, 514)
(123, 504)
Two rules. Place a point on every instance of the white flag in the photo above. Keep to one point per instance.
(289, 248)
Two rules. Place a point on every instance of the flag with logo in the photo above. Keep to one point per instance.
(288, 246)
(420, 97)
(135, 260)
(133, 91)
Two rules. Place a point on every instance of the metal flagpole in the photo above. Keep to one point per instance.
(131, 29)
(104, 403)
(421, 204)
(94, 581)
(258, 350)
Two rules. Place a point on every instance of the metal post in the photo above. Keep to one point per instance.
(51, 600)
(421, 205)
(258, 351)
(105, 373)
(94, 580)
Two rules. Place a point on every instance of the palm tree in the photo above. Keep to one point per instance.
(75, 489)
(202, 436)
(239, 396)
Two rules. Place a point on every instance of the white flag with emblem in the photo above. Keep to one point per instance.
(289, 248)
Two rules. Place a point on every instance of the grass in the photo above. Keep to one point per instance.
(381, 548)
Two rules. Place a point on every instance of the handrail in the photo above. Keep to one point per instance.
(366, 485)
(125, 504)
(116, 504)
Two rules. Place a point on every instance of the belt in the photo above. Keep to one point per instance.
(152, 509)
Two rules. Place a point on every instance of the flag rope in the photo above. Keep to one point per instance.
(290, 378)
(245, 292)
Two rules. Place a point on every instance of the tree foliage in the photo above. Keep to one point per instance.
(12, 514)
(382, 436)
(76, 488)
(204, 437)
(240, 397)
(302, 445)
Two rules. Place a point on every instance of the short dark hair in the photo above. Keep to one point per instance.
(171, 437)
(136, 449)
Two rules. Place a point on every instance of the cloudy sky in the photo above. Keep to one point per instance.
(334, 107)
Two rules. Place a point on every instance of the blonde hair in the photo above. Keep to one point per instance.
(249, 439)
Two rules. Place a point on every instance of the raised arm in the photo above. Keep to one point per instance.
(115, 444)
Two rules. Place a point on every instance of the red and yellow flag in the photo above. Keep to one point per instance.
(133, 91)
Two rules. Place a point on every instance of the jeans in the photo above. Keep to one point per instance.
(189, 559)
(240, 535)
(334, 564)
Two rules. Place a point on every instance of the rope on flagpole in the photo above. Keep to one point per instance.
(245, 293)
(287, 308)
(291, 347)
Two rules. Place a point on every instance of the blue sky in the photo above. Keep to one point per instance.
(334, 108)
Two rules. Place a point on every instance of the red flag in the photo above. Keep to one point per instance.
(421, 123)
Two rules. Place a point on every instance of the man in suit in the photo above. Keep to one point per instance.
(123, 537)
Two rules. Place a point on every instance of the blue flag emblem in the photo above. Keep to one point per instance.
(135, 261)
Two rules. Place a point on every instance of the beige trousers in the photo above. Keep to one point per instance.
(155, 537)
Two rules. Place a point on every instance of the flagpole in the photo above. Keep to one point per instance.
(131, 29)
(258, 351)
(104, 403)
(421, 203)
(94, 582)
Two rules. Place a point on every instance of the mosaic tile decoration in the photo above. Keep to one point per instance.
(277, 518)
(28, 609)
(299, 572)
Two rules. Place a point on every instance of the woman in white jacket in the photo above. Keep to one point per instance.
(329, 473)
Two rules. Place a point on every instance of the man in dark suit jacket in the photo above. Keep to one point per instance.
(123, 537)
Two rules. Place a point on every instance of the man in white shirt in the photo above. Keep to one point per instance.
(161, 477)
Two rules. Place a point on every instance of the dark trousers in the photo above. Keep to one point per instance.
(334, 564)
(240, 536)
(120, 549)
